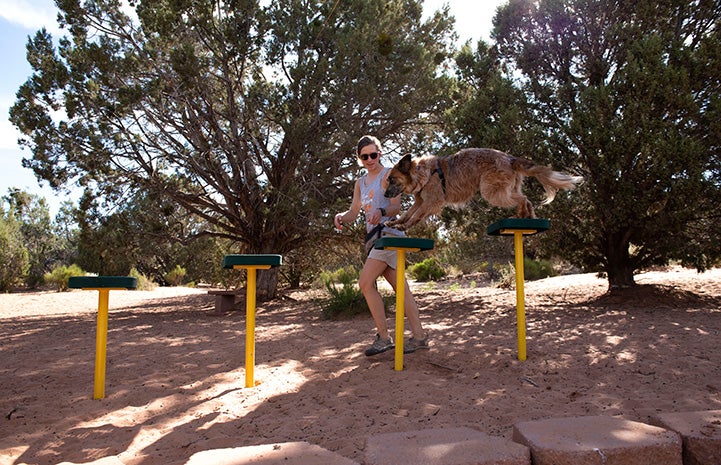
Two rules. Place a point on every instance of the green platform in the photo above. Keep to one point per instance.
(102, 282)
(233, 260)
(526, 225)
(403, 243)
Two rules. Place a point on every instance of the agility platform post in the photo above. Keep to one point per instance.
(251, 263)
(401, 245)
(103, 284)
(519, 227)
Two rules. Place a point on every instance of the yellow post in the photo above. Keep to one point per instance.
(102, 284)
(101, 342)
(400, 306)
(518, 227)
(250, 321)
(250, 329)
(520, 304)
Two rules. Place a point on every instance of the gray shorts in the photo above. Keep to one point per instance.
(390, 257)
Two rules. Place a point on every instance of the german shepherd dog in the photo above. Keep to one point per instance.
(439, 181)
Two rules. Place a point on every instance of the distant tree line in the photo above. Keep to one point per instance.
(141, 238)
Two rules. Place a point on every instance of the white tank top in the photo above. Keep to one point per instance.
(372, 198)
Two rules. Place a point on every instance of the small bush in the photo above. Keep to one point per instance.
(60, 275)
(144, 283)
(537, 269)
(345, 275)
(505, 275)
(429, 269)
(346, 299)
(176, 277)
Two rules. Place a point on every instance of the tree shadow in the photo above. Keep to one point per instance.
(656, 296)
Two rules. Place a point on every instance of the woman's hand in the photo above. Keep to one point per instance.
(338, 220)
(375, 216)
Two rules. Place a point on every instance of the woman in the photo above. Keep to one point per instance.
(368, 197)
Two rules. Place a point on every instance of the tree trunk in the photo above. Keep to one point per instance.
(267, 284)
(619, 266)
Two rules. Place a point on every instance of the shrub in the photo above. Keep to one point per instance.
(346, 299)
(176, 277)
(505, 275)
(60, 275)
(537, 269)
(429, 269)
(345, 275)
(144, 283)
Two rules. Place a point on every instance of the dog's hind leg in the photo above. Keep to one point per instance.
(500, 191)
(525, 208)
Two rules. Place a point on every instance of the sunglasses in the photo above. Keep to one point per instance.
(365, 156)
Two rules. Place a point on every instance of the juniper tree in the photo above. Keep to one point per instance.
(629, 96)
(244, 113)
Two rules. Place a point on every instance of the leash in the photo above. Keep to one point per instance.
(376, 230)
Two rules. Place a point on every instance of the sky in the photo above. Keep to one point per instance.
(20, 19)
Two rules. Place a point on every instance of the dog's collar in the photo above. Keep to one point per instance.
(442, 177)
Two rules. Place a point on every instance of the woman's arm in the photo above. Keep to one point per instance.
(352, 213)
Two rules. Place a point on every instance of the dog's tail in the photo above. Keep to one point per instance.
(552, 181)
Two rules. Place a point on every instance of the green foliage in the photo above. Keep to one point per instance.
(429, 269)
(60, 275)
(489, 110)
(537, 269)
(345, 298)
(627, 95)
(505, 275)
(38, 233)
(152, 234)
(176, 277)
(343, 275)
(13, 254)
(144, 283)
(180, 102)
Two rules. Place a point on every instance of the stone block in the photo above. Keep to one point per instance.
(447, 446)
(288, 453)
(598, 440)
(701, 434)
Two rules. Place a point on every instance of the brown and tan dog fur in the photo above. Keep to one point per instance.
(497, 175)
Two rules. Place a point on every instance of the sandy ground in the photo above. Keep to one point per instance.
(175, 372)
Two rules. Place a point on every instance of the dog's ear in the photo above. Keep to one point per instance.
(404, 166)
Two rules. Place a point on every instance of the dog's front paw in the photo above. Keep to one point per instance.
(396, 225)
